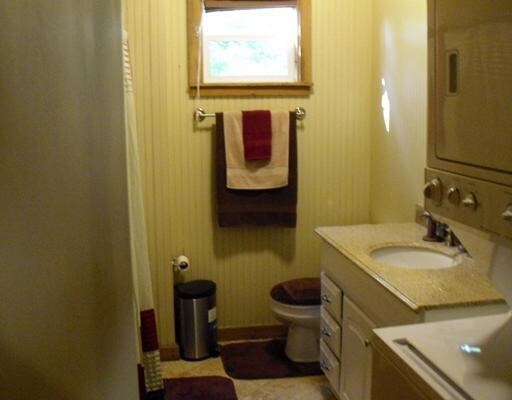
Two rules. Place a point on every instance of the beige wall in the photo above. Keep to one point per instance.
(333, 141)
(65, 283)
(398, 157)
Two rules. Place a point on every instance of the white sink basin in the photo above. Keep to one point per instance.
(413, 257)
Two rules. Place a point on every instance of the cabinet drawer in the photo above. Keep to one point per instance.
(331, 297)
(330, 332)
(330, 366)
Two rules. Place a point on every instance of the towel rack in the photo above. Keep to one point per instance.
(200, 114)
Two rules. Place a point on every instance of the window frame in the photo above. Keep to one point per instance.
(223, 89)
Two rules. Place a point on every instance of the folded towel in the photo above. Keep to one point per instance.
(257, 129)
(267, 207)
(262, 174)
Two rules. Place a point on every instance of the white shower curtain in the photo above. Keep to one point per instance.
(143, 293)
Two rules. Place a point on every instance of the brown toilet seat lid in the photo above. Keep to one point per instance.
(300, 292)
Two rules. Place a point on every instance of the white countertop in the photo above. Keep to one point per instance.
(472, 354)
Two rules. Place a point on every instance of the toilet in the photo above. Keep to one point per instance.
(296, 303)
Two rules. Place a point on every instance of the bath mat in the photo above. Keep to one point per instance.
(263, 360)
(200, 388)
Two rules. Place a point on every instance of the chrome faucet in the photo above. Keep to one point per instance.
(432, 228)
(451, 240)
(447, 236)
(444, 233)
(440, 232)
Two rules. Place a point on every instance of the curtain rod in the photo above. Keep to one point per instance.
(200, 114)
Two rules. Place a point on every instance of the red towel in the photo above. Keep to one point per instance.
(257, 132)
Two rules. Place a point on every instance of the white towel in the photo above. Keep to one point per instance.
(262, 174)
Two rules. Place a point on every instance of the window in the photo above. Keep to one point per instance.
(248, 47)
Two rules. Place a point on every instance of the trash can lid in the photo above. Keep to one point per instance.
(195, 289)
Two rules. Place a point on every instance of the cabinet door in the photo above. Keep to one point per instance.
(389, 383)
(356, 356)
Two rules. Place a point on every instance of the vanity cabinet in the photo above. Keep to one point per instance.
(359, 294)
(330, 329)
(357, 332)
(337, 311)
(352, 305)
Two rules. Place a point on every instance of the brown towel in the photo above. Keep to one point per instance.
(267, 207)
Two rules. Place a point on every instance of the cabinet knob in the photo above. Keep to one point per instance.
(324, 365)
(507, 214)
(470, 201)
(433, 190)
(453, 196)
(367, 343)
(325, 332)
(326, 299)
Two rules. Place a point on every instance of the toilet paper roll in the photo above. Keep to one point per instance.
(181, 263)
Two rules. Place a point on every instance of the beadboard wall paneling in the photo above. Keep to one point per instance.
(176, 153)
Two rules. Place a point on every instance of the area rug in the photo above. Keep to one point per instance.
(263, 360)
(200, 388)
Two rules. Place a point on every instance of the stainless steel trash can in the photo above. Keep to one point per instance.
(196, 306)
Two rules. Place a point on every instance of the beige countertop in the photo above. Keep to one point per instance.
(460, 285)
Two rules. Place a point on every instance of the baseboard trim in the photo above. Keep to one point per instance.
(229, 334)
(252, 332)
(170, 353)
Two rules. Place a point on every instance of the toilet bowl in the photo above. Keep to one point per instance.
(300, 311)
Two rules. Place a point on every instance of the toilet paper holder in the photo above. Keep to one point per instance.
(180, 263)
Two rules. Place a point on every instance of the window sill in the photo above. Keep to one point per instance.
(302, 89)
